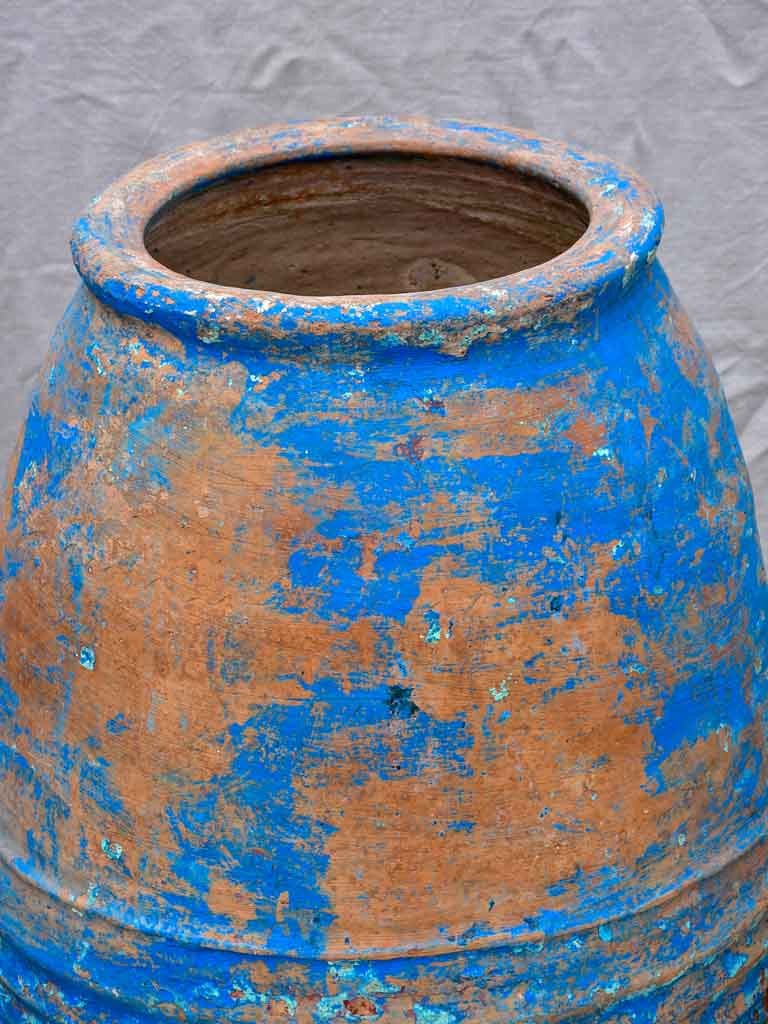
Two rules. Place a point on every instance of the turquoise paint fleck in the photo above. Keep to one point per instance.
(88, 658)
(112, 849)
(428, 1015)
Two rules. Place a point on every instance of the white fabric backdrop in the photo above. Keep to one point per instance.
(677, 89)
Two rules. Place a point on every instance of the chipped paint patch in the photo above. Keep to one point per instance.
(210, 336)
(113, 850)
(501, 691)
(430, 1015)
(88, 658)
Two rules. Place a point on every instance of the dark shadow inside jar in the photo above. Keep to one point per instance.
(378, 224)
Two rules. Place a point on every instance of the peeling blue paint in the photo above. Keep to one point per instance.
(386, 501)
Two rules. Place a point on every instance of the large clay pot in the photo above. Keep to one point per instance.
(383, 617)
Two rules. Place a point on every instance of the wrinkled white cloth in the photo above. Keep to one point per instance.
(678, 90)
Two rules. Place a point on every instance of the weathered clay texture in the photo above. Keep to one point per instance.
(392, 657)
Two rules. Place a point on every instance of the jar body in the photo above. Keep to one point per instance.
(408, 686)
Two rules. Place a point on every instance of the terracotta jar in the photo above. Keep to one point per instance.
(383, 619)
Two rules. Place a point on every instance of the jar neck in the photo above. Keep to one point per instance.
(530, 188)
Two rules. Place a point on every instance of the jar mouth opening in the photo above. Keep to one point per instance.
(361, 225)
(366, 231)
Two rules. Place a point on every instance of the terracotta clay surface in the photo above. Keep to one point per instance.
(366, 224)
(383, 620)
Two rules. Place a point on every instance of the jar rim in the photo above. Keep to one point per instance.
(623, 233)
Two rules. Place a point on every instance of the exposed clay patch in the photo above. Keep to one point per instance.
(545, 769)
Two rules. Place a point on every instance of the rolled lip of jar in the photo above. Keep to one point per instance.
(624, 230)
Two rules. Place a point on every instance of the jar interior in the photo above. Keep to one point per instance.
(365, 225)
